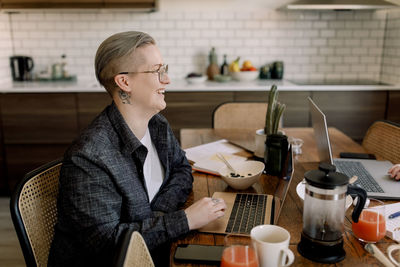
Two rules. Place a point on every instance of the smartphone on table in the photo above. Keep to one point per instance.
(198, 253)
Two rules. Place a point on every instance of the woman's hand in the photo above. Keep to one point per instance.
(394, 172)
(204, 211)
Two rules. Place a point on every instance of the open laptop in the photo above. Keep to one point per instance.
(372, 174)
(246, 210)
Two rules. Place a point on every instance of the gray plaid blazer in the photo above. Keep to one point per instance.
(103, 192)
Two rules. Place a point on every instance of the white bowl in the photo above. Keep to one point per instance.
(300, 190)
(245, 75)
(195, 80)
(252, 167)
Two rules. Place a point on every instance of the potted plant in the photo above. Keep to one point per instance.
(273, 116)
(269, 138)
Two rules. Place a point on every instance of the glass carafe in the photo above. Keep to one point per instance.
(324, 212)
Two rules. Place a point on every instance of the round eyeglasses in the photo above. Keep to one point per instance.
(162, 73)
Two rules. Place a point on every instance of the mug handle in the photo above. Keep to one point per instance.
(287, 257)
(390, 249)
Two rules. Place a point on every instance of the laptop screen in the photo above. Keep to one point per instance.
(321, 133)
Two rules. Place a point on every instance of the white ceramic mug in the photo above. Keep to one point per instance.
(272, 245)
(390, 250)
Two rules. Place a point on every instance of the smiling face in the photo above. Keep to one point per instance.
(147, 92)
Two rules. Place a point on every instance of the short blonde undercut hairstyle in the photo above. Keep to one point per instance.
(112, 56)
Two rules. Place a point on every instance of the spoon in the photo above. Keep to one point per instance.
(222, 158)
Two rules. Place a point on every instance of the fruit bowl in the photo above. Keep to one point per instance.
(250, 170)
(244, 75)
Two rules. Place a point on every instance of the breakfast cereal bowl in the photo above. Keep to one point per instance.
(249, 173)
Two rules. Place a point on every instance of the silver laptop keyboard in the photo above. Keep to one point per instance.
(365, 180)
(248, 211)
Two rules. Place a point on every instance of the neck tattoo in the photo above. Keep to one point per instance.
(124, 96)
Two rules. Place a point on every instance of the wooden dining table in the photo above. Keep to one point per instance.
(291, 213)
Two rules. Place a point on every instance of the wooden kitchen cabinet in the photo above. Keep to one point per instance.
(146, 5)
(37, 128)
(3, 169)
(39, 118)
(193, 110)
(89, 105)
(352, 111)
(393, 107)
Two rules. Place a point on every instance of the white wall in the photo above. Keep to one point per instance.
(5, 50)
(391, 56)
(312, 44)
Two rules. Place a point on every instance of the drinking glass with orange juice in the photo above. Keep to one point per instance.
(238, 252)
(371, 225)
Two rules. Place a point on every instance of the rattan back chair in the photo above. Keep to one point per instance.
(33, 208)
(132, 251)
(240, 115)
(383, 140)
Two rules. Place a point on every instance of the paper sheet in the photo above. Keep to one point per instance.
(205, 157)
(392, 225)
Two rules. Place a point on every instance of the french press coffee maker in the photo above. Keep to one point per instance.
(324, 213)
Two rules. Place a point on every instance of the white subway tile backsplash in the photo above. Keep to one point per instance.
(352, 42)
(377, 33)
(310, 15)
(319, 24)
(218, 24)
(311, 43)
(227, 16)
(175, 16)
(311, 34)
(235, 24)
(343, 51)
(358, 68)
(309, 51)
(166, 24)
(326, 51)
(317, 59)
(346, 15)
(200, 24)
(344, 33)
(319, 42)
(327, 33)
(235, 43)
(242, 34)
(334, 60)
(329, 15)
(335, 42)
(363, 15)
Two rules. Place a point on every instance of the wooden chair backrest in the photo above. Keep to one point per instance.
(383, 140)
(240, 115)
(34, 212)
(132, 251)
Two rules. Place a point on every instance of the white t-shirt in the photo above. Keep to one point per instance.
(152, 169)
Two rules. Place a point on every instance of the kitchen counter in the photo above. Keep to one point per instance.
(183, 86)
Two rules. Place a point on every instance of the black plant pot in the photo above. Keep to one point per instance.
(276, 149)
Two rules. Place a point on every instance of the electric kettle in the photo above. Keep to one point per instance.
(324, 213)
(21, 68)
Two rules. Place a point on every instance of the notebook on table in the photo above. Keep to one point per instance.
(247, 210)
(392, 225)
(372, 174)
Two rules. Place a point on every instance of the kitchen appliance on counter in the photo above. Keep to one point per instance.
(21, 68)
(335, 82)
(273, 70)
